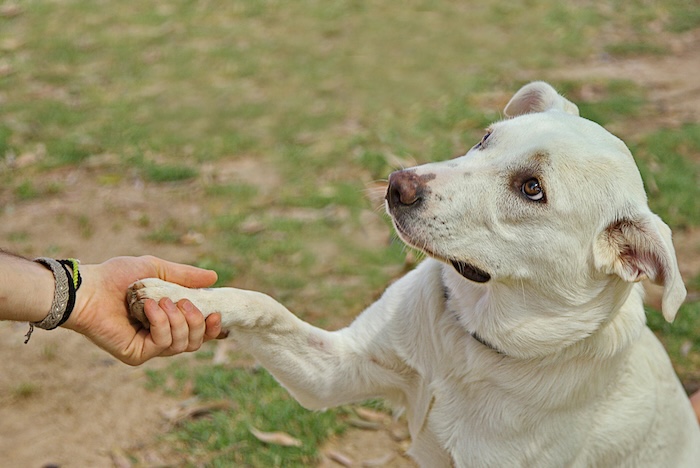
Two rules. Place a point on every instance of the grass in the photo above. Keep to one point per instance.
(667, 159)
(26, 390)
(614, 100)
(144, 88)
(324, 99)
(635, 48)
(682, 341)
(684, 16)
(26, 190)
(167, 233)
(225, 439)
(168, 172)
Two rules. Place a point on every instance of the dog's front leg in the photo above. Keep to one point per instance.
(319, 368)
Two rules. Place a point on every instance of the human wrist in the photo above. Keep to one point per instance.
(35, 283)
(79, 319)
(39, 304)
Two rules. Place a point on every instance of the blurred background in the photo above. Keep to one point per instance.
(254, 138)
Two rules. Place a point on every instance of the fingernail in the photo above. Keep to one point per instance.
(166, 303)
(187, 306)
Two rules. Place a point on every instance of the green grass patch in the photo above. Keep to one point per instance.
(168, 172)
(259, 402)
(167, 233)
(68, 151)
(376, 163)
(30, 190)
(682, 340)
(666, 159)
(239, 193)
(26, 390)
(226, 270)
(292, 74)
(5, 134)
(634, 48)
(694, 283)
(686, 326)
(612, 100)
(26, 191)
(685, 15)
(18, 237)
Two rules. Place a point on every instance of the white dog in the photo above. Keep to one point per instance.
(522, 340)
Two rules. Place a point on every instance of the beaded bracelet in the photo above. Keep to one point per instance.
(67, 284)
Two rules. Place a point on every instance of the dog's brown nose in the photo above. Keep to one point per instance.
(406, 188)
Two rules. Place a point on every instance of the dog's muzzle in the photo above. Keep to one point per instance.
(406, 193)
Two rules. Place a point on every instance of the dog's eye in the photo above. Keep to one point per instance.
(533, 190)
(482, 143)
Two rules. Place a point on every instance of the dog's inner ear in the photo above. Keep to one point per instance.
(538, 96)
(636, 249)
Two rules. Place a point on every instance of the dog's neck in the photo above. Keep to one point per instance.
(453, 308)
(474, 334)
(514, 324)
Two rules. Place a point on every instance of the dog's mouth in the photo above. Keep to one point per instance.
(470, 271)
(465, 269)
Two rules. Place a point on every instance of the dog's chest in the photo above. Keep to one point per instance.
(478, 424)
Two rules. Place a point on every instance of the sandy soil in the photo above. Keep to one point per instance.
(65, 403)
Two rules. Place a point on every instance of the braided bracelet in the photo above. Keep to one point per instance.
(67, 284)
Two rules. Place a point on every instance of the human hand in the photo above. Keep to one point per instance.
(102, 315)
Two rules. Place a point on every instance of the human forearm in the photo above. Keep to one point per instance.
(26, 289)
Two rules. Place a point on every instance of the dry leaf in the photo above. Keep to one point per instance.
(119, 457)
(340, 458)
(370, 415)
(399, 432)
(10, 10)
(275, 438)
(362, 424)
(380, 461)
(192, 238)
(686, 346)
(192, 408)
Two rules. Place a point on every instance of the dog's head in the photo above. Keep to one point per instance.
(546, 201)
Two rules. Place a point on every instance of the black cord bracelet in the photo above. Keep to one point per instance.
(74, 282)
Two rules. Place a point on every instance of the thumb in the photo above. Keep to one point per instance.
(185, 275)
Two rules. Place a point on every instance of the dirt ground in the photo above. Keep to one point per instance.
(65, 403)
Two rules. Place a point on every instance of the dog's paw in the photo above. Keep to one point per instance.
(149, 288)
(135, 297)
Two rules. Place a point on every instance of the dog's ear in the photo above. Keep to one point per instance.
(639, 248)
(538, 96)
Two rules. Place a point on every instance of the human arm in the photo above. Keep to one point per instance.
(100, 313)
(695, 401)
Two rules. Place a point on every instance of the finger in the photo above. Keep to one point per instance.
(178, 327)
(195, 322)
(213, 327)
(695, 401)
(161, 335)
(185, 275)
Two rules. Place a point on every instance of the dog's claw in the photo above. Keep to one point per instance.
(135, 299)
